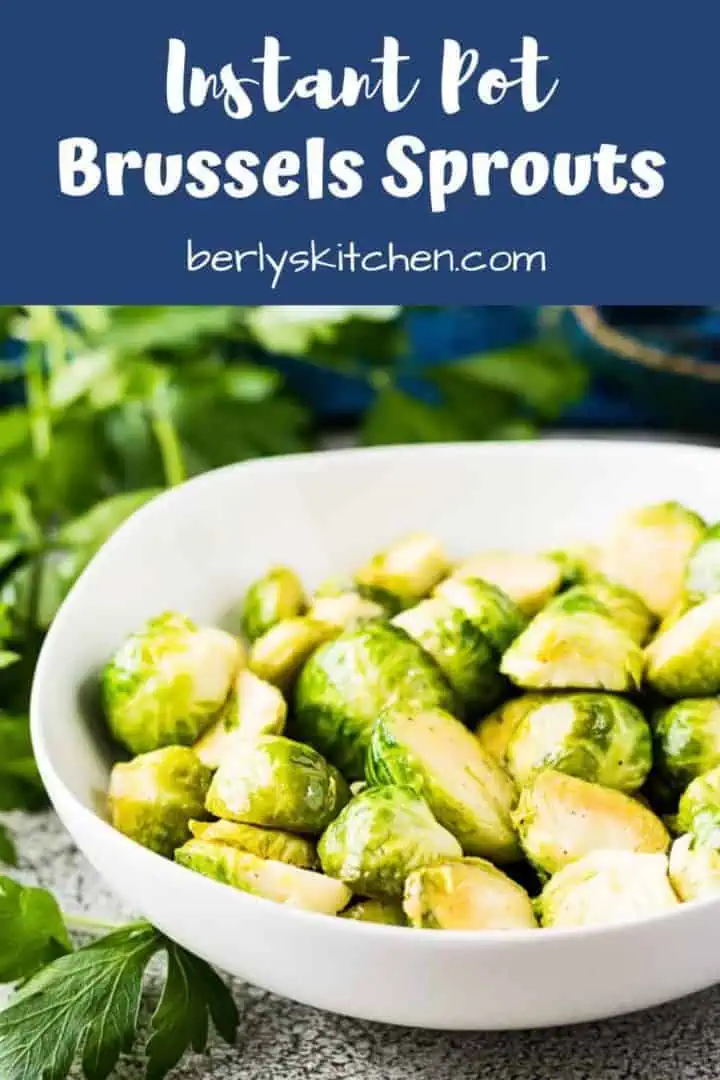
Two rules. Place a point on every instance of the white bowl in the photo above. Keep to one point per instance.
(196, 549)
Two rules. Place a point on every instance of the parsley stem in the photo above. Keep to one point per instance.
(85, 925)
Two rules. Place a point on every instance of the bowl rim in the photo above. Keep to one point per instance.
(40, 707)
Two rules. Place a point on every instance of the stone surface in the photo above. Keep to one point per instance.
(283, 1041)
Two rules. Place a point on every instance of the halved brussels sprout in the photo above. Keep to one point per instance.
(467, 791)
(699, 808)
(279, 783)
(648, 551)
(495, 730)
(458, 647)
(702, 573)
(345, 610)
(597, 737)
(408, 570)
(466, 894)
(152, 798)
(560, 818)
(684, 661)
(265, 843)
(694, 868)
(675, 613)
(377, 911)
(488, 607)
(255, 707)
(278, 881)
(687, 740)
(529, 580)
(380, 836)
(607, 887)
(276, 596)
(279, 654)
(622, 605)
(577, 562)
(167, 681)
(574, 650)
(347, 682)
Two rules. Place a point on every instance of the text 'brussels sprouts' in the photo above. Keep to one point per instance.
(560, 818)
(167, 681)
(349, 681)
(597, 737)
(276, 596)
(153, 797)
(279, 783)
(466, 894)
(687, 740)
(380, 836)
(684, 661)
(467, 791)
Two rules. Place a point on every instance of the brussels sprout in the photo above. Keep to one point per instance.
(699, 808)
(347, 682)
(648, 551)
(377, 911)
(381, 836)
(596, 737)
(279, 783)
(622, 605)
(687, 740)
(344, 611)
(561, 818)
(407, 570)
(529, 580)
(487, 606)
(694, 868)
(265, 843)
(466, 894)
(255, 707)
(279, 654)
(702, 573)
(575, 651)
(675, 613)
(167, 681)
(272, 880)
(152, 798)
(607, 887)
(276, 596)
(467, 791)
(497, 728)
(684, 661)
(577, 563)
(459, 648)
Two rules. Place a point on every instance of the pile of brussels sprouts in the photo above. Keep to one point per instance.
(510, 741)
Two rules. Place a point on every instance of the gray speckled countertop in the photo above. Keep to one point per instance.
(279, 1039)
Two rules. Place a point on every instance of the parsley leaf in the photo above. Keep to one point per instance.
(87, 1004)
(32, 931)
(20, 785)
(8, 855)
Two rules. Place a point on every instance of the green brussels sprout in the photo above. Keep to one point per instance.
(267, 878)
(347, 682)
(458, 647)
(560, 818)
(488, 607)
(648, 550)
(407, 571)
(380, 836)
(279, 783)
(574, 650)
(345, 610)
(276, 596)
(596, 737)
(255, 707)
(279, 654)
(675, 613)
(699, 808)
(694, 868)
(495, 730)
(466, 894)
(167, 681)
(605, 598)
(529, 580)
(265, 843)
(577, 563)
(467, 791)
(607, 887)
(702, 573)
(684, 661)
(152, 798)
(687, 740)
(377, 911)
